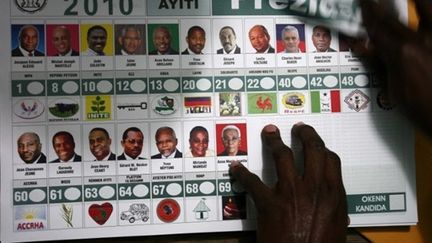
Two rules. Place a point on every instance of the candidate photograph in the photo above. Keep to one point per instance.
(29, 148)
(95, 41)
(165, 39)
(199, 143)
(63, 144)
(130, 39)
(132, 143)
(231, 141)
(100, 144)
(228, 41)
(259, 38)
(321, 39)
(28, 40)
(195, 39)
(62, 40)
(290, 38)
(166, 143)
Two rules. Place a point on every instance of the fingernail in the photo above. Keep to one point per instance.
(270, 128)
(299, 123)
(235, 163)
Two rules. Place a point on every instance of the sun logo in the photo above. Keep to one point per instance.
(29, 215)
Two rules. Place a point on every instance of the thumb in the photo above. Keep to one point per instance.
(251, 182)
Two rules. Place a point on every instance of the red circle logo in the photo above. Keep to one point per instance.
(168, 210)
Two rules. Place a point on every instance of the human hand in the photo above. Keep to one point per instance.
(401, 58)
(300, 208)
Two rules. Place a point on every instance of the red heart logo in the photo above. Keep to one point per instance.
(100, 213)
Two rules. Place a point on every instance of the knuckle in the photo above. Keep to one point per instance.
(334, 157)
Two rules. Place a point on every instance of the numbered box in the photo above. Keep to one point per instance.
(131, 86)
(28, 88)
(292, 82)
(65, 194)
(158, 85)
(229, 83)
(97, 86)
(26, 196)
(197, 84)
(200, 188)
(167, 189)
(355, 80)
(69, 87)
(100, 192)
(261, 83)
(324, 81)
(131, 191)
(226, 188)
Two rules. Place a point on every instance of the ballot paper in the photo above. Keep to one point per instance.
(121, 118)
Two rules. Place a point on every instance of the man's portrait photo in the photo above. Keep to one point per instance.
(232, 139)
(164, 39)
(100, 144)
(291, 38)
(132, 143)
(199, 143)
(166, 143)
(62, 40)
(321, 39)
(130, 39)
(259, 38)
(228, 41)
(96, 40)
(30, 148)
(64, 146)
(195, 39)
(28, 40)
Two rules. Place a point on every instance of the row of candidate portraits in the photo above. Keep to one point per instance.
(130, 39)
(231, 143)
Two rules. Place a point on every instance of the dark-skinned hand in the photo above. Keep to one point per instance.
(401, 58)
(300, 208)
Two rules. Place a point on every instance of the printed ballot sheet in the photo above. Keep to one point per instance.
(121, 117)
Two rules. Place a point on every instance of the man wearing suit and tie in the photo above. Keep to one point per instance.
(260, 39)
(64, 146)
(162, 42)
(166, 142)
(132, 143)
(196, 38)
(28, 38)
(228, 40)
(61, 39)
(321, 39)
(30, 148)
(100, 143)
